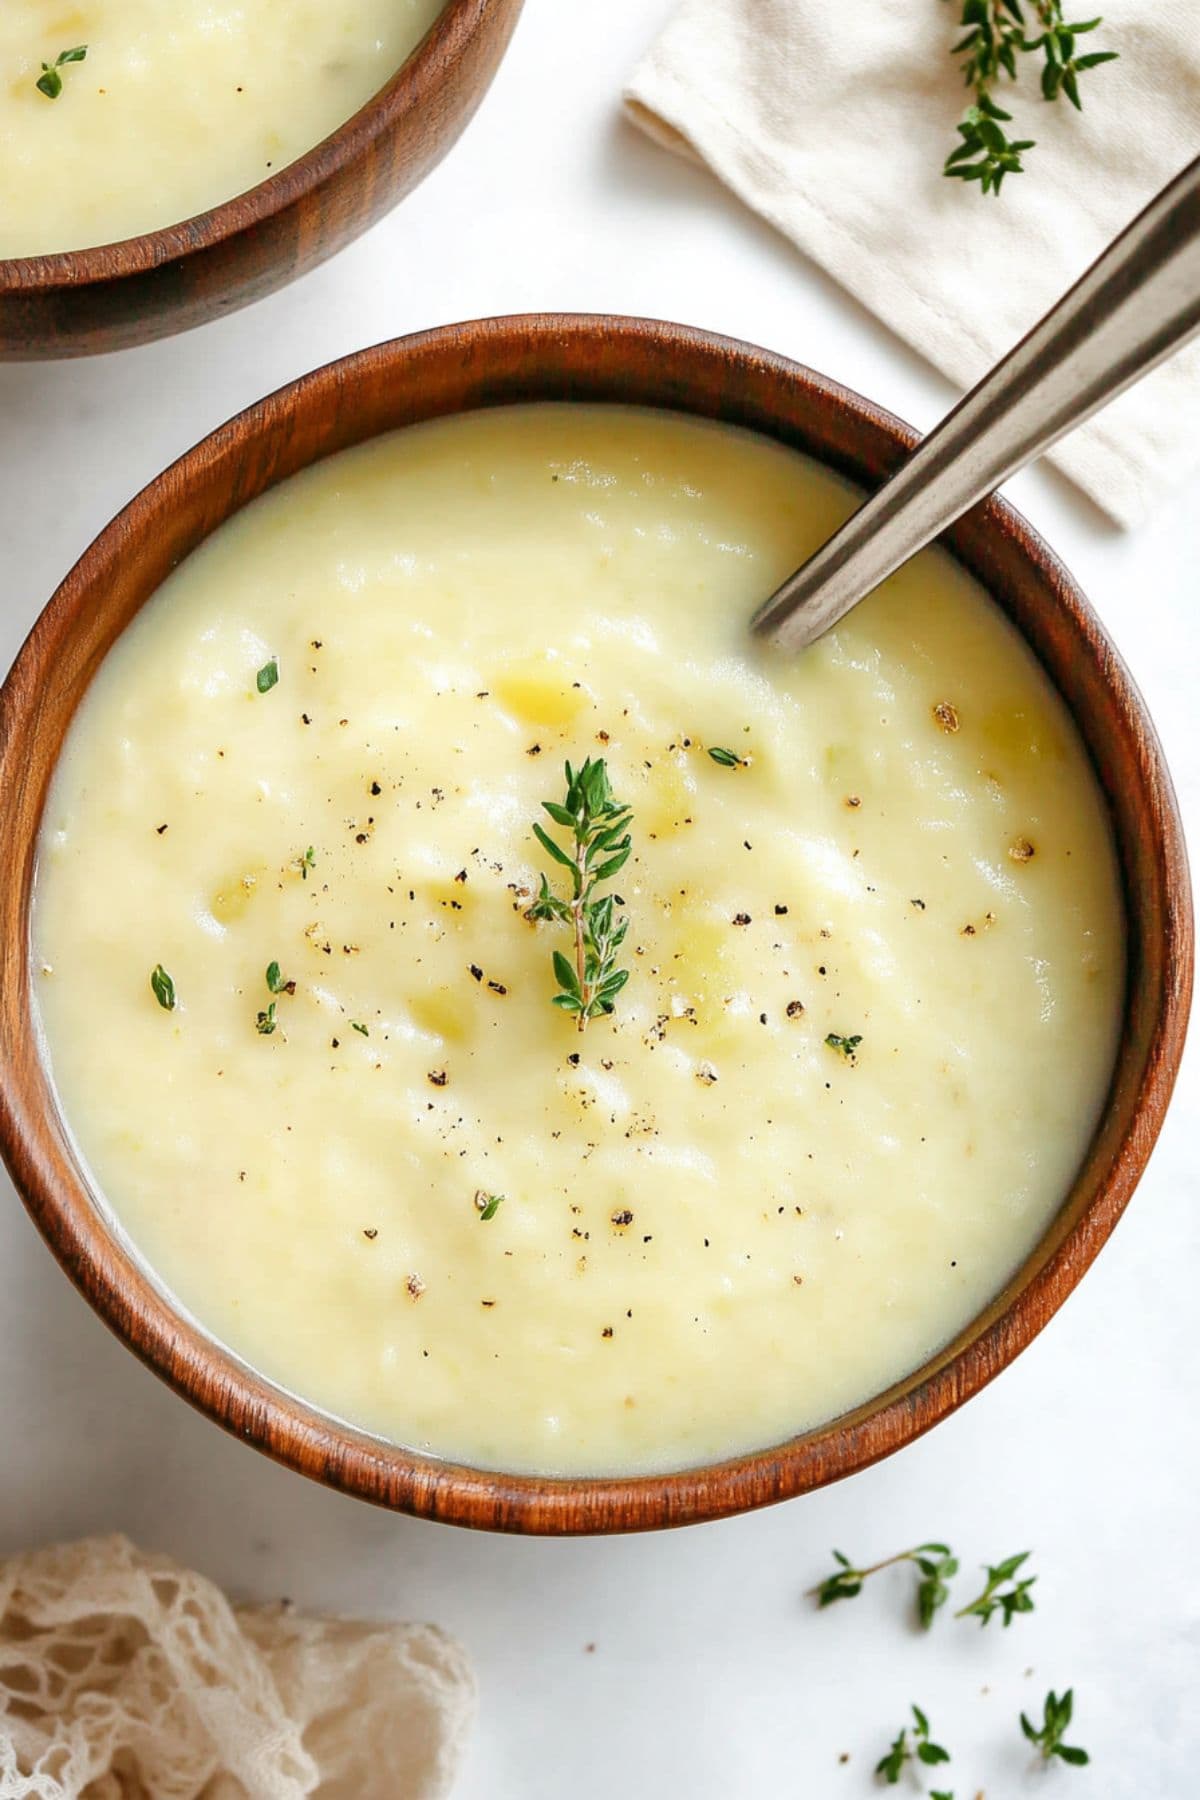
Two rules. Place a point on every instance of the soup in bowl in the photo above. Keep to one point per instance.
(162, 163)
(505, 1041)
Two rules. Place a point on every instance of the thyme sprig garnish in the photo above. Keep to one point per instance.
(1056, 1716)
(600, 846)
(50, 82)
(935, 1563)
(995, 38)
(920, 1748)
(1002, 1593)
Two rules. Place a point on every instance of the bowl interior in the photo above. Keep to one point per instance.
(493, 363)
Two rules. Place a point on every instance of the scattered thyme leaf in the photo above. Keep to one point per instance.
(1002, 1593)
(50, 82)
(163, 988)
(267, 676)
(728, 759)
(935, 1563)
(920, 1748)
(361, 1029)
(489, 1205)
(847, 1045)
(995, 37)
(264, 1024)
(1056, 1716)
(275, 980)
(600, 847)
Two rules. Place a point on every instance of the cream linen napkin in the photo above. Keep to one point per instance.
(126, 1677)
(832, 119)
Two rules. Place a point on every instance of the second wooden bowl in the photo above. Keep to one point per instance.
(636, 362)
(83, 301)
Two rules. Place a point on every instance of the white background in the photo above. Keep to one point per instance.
(711, 1677)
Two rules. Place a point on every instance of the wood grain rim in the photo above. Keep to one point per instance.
(631, 361)
(408, 90)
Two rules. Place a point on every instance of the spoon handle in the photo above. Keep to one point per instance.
(1139, 302)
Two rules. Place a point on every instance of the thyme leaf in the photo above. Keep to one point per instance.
(163, 988)
(50, 82)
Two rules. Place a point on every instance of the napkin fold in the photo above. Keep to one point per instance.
(126, 1677)
(832, 118)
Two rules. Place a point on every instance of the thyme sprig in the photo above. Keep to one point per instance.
(995, 36)
(1056, 1716)
(920, 1748)
(600, 846)
(1003, 1592)
(935, 1563)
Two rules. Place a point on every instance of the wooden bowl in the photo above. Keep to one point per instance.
(598, 359)
(83, 301)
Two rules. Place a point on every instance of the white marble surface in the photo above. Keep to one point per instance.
(710, 1675)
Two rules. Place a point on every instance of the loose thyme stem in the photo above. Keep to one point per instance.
(580, 948)
(995, 38)
(936, 1564)
(1004, 1592)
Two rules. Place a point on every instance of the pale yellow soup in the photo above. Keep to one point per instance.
(178, 106)
(715, 1228)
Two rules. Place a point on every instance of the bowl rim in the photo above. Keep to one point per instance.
(296, 1434)
(402, 95)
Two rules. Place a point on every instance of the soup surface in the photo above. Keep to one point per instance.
(876, 947)
(177, 106)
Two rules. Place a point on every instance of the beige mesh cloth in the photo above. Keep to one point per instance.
(126, 1677)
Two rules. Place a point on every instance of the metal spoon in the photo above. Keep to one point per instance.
(1139, 302)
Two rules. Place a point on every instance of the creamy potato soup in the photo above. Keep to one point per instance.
(304, 1028)
(176, 105)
